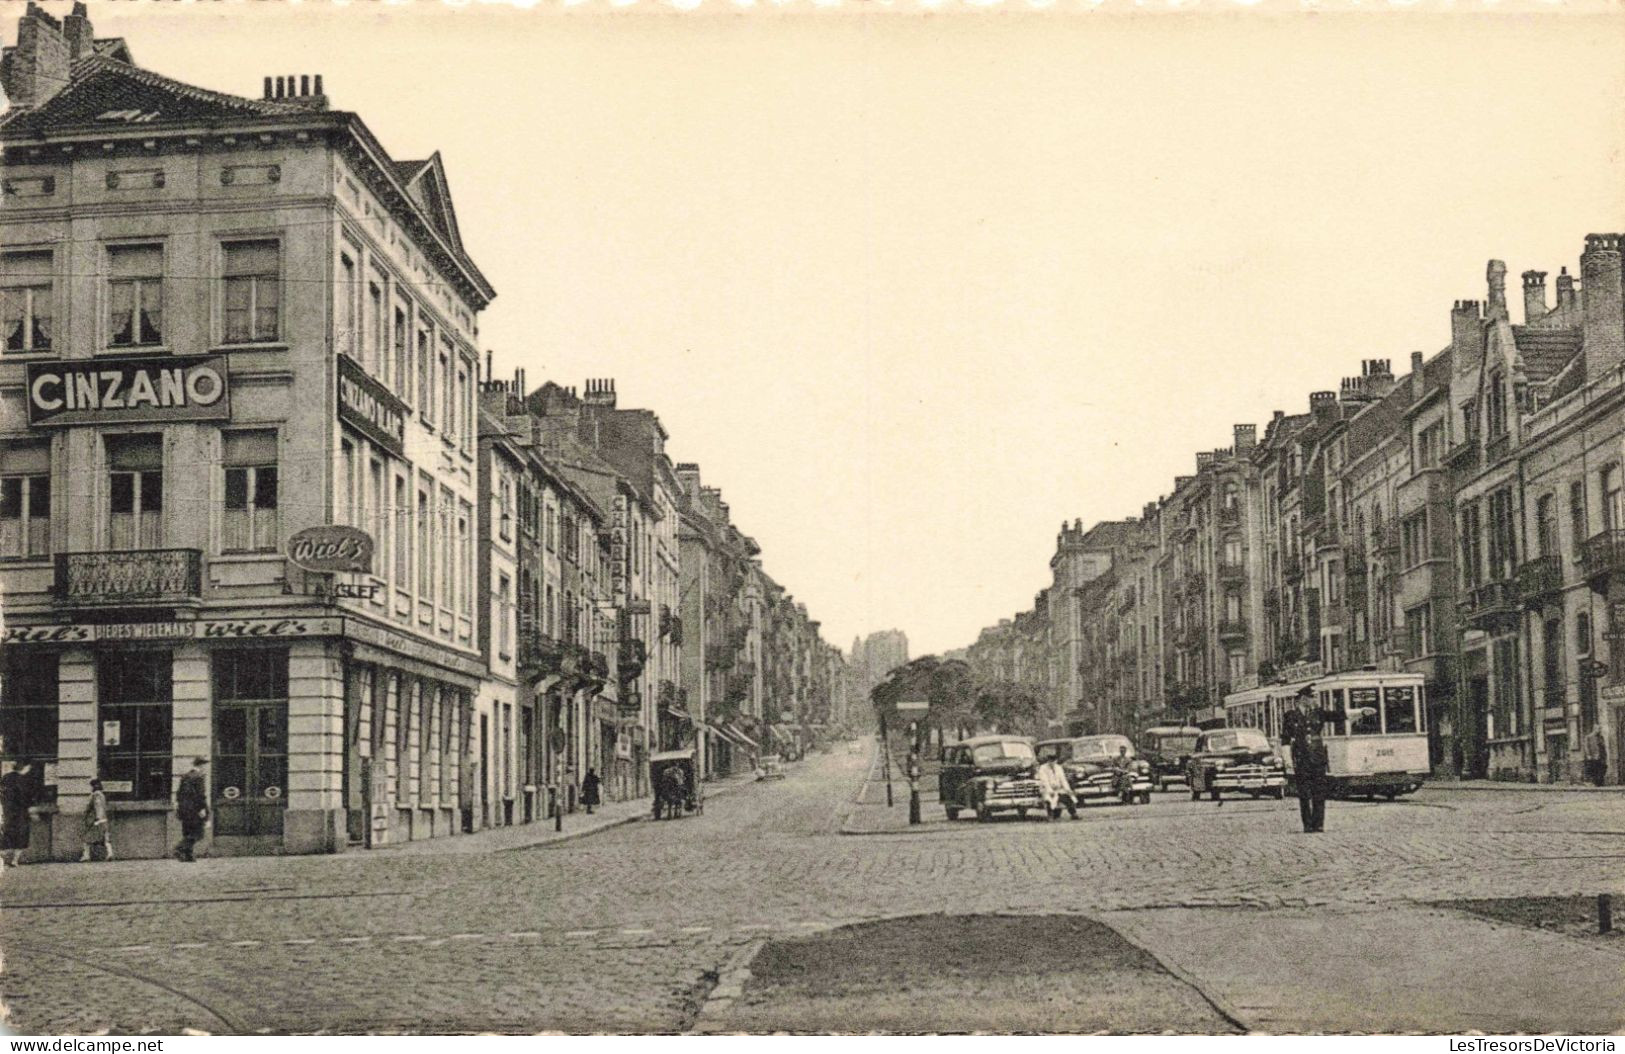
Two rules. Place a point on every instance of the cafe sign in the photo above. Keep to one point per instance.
(195, 629)
(371, 408)
(326, 550)
(109, 391)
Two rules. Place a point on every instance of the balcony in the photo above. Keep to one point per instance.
(1232, 573)
(1490, 606)
(719, 657)
(1604, 557)
(1291, 568)
(130, 578)
(1232, 631)
(1464, 454)
(1385, 541)
(1540, 579)
(1230, 514)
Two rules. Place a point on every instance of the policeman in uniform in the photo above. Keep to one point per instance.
(1309, 762)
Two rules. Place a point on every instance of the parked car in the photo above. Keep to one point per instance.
(1087, 761)
(989, 774)
(1168, 749)
(1236, 760)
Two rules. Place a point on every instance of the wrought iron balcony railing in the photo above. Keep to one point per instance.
(1540, 579)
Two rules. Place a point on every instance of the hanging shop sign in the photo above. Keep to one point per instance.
(327, 592)
(107, 391)
(332, 549)
(371, 408)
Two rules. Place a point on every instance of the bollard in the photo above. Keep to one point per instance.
(1605, 912)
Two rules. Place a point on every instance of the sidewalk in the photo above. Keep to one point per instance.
(1508, 785)
(541, 832)
(1396, 968)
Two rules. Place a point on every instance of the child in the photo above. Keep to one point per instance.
(94, 828)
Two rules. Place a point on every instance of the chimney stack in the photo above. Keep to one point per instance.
(80, 36)
(601, 392)
(1601, 295)
(1246, 437)
(1418, 378)
(1466, 334)
(1495, 276)
(1534, 295)
(1565, 288)
(37, 67)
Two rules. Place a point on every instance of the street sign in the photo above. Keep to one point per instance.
(908, 705)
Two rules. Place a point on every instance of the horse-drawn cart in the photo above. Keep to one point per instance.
(677, 787)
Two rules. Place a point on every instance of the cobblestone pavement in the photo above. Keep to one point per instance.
(623, 930)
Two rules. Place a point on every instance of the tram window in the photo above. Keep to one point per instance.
(1331, 705)
(1361, 699)
(1399, 709)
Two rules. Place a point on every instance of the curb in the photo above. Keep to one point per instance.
(731, 979)
(1221, 1006)
(1508, 785)
(640, 817)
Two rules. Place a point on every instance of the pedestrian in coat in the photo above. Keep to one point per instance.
(16, 797)
(590, 790)
(1301, 730)
(94, 828)
(192, 807)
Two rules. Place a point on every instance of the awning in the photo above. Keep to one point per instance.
(733, 734)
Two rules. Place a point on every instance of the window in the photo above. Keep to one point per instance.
(251, 492)
(1232, 552)
(1579, 522)
(377, 337)
(465, 553)
(254, 292)
(135, 295)
(403, 534)
(1495, 411)
(1429, 447)
(1419, 627)
(1503, 536)
(1506, 719)
(1609, 478)
(26, 301)
(1232, 607)
(25, 500)
(28, 714)
(426, 700)
(445, 554)
(345, 337)
(1365, 724)
(1552, 661)
(349, 496)
(133, 723)
(378, 514)
(504, 616)
(1398, 709)
(425, 392)
(504, 509)
(448, 417)
(403, 373)
(425, 552)
(1469, 423)
(1472, 546)
(135, 491)
(548, 627)
(1546, 525)
(462, 407)
(1237, 666)
(1415, 543)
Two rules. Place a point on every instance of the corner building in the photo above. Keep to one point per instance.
(229, 321)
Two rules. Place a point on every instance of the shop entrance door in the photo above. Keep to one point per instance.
(250, 742)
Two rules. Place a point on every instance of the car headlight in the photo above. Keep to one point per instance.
(1274, 761)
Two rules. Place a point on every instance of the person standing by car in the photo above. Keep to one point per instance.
(192, 806)
(1054, 785)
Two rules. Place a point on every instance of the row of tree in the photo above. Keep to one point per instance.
(962, 704)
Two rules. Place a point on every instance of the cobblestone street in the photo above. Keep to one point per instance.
(626, 929)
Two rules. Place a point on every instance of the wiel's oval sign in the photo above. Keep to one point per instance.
(329, 549)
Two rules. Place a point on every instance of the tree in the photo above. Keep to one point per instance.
(1012, 706)
(946, 684)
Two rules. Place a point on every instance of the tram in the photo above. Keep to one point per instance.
(1374, 726)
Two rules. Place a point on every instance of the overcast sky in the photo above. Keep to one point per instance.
(914, 289)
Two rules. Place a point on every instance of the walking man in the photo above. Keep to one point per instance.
(1596, 757)
(590, 790)
(192, 806)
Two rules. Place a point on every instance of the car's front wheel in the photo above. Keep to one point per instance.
(953, 811)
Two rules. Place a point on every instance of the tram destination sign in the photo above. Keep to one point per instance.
(109, 391)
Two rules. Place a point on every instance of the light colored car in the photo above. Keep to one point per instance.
(1089, 763)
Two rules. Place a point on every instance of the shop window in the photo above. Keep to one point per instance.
(135, 295)
(253, 290)
(29, 715)
(135, 491)
(133, 723)
(26, 297)
(251, 492)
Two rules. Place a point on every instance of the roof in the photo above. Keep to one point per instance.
(102, 87)
(1545, 352)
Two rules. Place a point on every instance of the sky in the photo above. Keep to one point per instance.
(915, 288)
